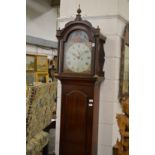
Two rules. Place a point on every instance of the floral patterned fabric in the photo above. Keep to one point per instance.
(35, 145)
(40, 106)
(28, 99)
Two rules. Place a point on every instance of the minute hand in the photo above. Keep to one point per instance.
(75, 55)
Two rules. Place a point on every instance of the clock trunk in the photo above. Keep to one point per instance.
(79, 117)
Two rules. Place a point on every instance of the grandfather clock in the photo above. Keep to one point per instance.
(80, 70)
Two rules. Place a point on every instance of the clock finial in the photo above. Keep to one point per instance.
(78, 15)
(79, 10)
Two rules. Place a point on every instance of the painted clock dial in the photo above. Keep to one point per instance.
(77, 54)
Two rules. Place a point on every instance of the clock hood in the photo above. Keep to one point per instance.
(76, 24)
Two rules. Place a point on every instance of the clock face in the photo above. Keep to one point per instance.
(77, 56)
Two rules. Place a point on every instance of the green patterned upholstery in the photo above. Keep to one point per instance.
(36, 144)
(41, 103)
(28, 99)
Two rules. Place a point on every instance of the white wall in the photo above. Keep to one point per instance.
(41, 19)
(123, 8)
(95, 7)
(111, 16)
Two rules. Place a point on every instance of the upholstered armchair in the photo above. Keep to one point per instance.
(40, 105)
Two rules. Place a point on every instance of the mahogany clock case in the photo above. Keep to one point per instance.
(80, 93)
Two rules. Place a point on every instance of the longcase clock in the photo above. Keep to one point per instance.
(80, 70)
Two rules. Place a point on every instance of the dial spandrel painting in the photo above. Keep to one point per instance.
(77, 53)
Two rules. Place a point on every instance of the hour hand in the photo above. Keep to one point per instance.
(77, 56)
(74, 55)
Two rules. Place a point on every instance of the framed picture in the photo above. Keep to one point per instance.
(30, 78)
(42, 77)
(42, 63)
(124, 65)
(30, 62)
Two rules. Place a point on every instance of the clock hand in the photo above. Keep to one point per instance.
(79, 55)
(74, 55)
